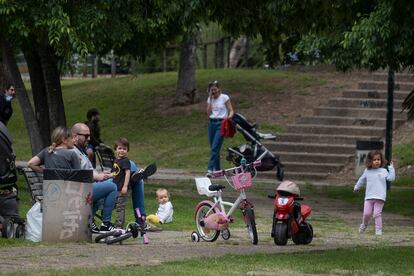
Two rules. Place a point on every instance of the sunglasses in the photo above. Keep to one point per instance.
(85, 135)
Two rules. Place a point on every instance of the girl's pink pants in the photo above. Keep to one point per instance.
(373, 207)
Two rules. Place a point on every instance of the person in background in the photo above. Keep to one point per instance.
(93, 117)
(6, 109)
(219, 107)
(375, 179)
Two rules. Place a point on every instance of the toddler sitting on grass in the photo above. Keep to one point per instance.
(165, 210)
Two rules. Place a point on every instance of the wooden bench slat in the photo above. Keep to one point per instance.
(34, 181)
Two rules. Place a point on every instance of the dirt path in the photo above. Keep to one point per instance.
(335, 225)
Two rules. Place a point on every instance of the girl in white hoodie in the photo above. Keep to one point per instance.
(375, 179)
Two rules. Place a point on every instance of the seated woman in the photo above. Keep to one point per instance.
(57, 156)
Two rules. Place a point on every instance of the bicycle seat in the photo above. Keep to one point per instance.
(216, 187)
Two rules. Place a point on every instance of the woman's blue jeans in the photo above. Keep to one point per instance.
(104, 192)
(216, 141)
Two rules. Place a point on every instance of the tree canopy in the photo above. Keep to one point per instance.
(349, 34)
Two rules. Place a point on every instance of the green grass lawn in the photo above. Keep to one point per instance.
(356, 261)
(405, 153)
(399, 200)
(140, 109)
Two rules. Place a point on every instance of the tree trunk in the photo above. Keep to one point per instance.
(51, 76)
(95, 67)
(39, 92)
(186, 92)
(220, 53)
(3, 79)
(21, 93)
(113, 64)
(237, 51)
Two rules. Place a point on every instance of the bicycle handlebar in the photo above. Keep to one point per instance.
(254, 164)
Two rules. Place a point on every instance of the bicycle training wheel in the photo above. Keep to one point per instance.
(206, 234)
(251, 225)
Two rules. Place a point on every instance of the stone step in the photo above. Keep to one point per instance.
(321, 138)
(313, 157)
(347, 121)
(311, 147)
(322, 144)
(362, 103)
(312, 167)
(400, 77)
(337, 130)
(374, 94)
(382, 85)
(358, 112)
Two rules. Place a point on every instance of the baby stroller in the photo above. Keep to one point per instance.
(254, 150)
(11, 225)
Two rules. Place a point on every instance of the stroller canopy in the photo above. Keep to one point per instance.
(242, 122)
(5, 135)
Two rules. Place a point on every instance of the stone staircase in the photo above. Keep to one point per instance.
(320, 145)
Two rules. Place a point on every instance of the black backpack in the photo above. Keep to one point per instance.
(8, 173)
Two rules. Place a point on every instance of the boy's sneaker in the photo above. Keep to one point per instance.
(362, 228)
(145, 173)
(94, 228)
(107, 226)
(378, 232)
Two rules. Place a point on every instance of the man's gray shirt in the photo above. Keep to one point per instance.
(84, 161)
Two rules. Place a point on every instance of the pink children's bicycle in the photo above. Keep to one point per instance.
(211, 217)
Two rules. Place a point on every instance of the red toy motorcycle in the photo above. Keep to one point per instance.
(289, 217)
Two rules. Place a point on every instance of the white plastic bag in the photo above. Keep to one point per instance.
(34, 223)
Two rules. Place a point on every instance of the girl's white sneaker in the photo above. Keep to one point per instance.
(378, 232)
(362, 228)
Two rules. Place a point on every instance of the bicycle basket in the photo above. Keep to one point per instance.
(242, 180)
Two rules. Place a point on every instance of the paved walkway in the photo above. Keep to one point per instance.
(179, 174)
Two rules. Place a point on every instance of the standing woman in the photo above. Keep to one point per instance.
(6, 109)
(59, 155)
(218, 108)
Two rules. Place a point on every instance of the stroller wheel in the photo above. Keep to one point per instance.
(20, 231)
(8, 229)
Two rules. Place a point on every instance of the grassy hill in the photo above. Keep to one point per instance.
(141, 109)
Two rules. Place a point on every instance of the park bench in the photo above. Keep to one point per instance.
(34, 181)
(105, 156)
